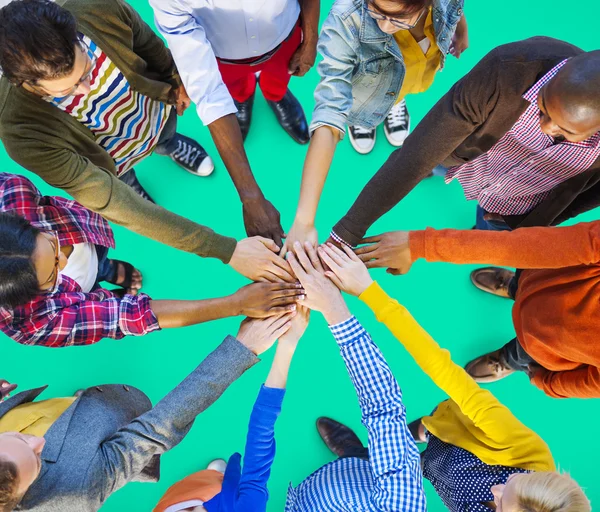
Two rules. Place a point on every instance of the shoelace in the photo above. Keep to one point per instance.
(186, 153)
(361, 131)
(397, 116)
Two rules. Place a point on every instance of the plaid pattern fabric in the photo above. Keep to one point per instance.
(68, 316)
(391, 479)
(73, 223)
(523, 167)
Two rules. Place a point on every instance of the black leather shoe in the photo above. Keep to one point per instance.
(291, 117)
(244, 114)
(130, 178)
(340, 439)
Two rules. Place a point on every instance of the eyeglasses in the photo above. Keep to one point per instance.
(395, 21)
(60, 96)
(53, 278)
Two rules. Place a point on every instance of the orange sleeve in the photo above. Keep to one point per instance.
(581, 383)
(536, 247)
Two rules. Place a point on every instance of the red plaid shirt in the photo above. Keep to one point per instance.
(523, 167)
(68, 316)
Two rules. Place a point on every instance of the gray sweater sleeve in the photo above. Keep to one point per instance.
(130, 449)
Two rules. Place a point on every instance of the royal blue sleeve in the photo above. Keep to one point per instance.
(260, 451)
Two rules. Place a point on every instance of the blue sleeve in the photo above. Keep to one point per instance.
(393, 455)
(260, 451)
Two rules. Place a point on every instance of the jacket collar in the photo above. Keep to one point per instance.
(56, 434)
(24, 397)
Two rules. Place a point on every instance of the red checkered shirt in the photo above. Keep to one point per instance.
(68, 316)
(522, 168)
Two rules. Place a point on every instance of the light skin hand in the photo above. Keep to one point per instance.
(460, 39)
(321, 294)
(347, 272)
(257, 259)
(286, 347)
(258, 335)
(260, 300)
(300, 232)
(390, 250)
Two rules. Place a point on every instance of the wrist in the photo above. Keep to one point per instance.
(305, 219)
(337, 312)
(252, 196)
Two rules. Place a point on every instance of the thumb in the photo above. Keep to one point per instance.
(269, 244)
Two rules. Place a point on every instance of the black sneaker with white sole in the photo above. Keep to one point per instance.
(362, 139)
(191, 156)
(396, 125)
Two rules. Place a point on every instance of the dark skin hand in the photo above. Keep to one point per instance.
(260, 216)
(304, 57)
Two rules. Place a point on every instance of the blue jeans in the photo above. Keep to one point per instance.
(105, 269)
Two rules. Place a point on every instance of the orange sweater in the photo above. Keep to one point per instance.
(557, 308)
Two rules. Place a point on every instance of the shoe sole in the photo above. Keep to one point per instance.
(201, 175)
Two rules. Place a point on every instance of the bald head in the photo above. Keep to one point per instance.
(571, 100)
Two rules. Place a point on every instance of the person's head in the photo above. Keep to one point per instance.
(41, 50)
(569, 103)
(394, 15)
(540, 492)
(30, 261)
(20, 465)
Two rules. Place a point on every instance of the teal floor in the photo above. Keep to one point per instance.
(440, 296)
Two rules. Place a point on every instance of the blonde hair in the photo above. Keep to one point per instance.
(550, 492)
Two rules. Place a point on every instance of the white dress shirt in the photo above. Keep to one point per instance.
(197, 31)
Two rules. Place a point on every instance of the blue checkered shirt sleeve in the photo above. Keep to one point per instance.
(393, 455)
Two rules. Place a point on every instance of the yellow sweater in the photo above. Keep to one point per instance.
(473, 419)
(35, 418)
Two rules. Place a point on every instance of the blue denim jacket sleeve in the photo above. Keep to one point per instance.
(333, 95)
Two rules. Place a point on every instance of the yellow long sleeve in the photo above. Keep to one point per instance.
(473, 418)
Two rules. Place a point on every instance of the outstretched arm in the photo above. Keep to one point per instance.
(562, 247)
(260, 441)
(393, 455)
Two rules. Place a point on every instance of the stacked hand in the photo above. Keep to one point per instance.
(389, 250)
(261, 218)
(258, 335)
(260, 300)
(346, 270)
(257, 258)
(300, 232)
(321, 294)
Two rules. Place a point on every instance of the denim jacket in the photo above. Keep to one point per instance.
(362, 69)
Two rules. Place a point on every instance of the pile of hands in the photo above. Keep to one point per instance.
(281, 310)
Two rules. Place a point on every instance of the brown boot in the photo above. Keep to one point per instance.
(339, 438)
(494, 280)
(489, 367)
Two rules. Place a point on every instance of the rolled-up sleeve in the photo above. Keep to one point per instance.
(195, 59)
(333, 95)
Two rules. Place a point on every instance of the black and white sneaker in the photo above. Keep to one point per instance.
(362, 139)
(396, 125)
(191, 156)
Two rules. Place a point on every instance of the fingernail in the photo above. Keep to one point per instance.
(297, 244)
(302, 297)
(287, 255)
(292, 307)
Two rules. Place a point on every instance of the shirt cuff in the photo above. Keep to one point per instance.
(347, 331)
(339, 240)
(136, 318)
(271, 397)
(374, 296)
(416, 243)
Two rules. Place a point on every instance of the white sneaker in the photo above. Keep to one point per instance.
(397, 124)
(218, 465)
(362, 139)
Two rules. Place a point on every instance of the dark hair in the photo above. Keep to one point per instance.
(9, 484)
(405, 7)
(18, 278)
(37, 41)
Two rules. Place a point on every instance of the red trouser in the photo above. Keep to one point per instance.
(274, 76)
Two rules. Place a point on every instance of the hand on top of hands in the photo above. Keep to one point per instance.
(260, 300)
(391, 250)
(257, 258)
(258, 335)
(346, 270)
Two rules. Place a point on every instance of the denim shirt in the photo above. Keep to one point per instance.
(362, 69)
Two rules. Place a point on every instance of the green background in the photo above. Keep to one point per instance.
(440, 296)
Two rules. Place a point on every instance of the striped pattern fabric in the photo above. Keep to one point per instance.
(522, 168)
(126, 124)
(391, 480)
